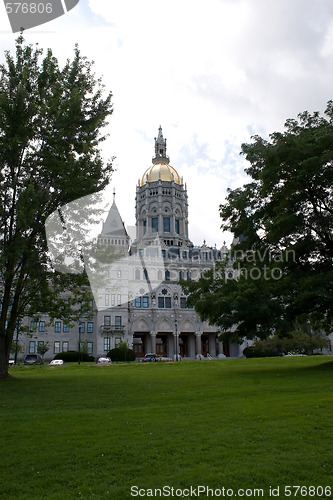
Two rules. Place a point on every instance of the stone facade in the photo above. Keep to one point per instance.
(156, 318)
(141, 301)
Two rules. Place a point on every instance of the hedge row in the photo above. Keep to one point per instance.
(73, 356)
(121, 354)
(254, 351)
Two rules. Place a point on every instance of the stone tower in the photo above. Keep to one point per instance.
(161, 203)
(114, 232)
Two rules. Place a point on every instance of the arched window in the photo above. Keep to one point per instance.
(137, 274)
(164, 300)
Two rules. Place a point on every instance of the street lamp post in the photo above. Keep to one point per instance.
(79, 361)
(176, 327)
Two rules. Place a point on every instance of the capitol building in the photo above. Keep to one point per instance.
(141, 301)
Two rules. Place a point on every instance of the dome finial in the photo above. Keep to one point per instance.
(161, 171)
(160, 148)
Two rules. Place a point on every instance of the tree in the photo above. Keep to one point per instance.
(43, 348)
(283, 220)
(51, 123)
(123, 349)
(300, 341)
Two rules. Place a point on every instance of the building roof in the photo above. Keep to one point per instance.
(114, 226)
(161, 171)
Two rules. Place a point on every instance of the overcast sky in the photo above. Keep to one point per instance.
(210, 73)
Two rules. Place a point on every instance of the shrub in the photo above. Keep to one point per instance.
(249, 352)
(304, 342)
(261, 349)
(296, 341)
(73, 356)
(118, 354)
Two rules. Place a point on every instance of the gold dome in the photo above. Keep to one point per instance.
(161, 171)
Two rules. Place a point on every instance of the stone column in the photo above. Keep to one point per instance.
(220, 344)
(145, 230)
(183, 229)
(160, 220)
(173, 224)
(212, 345)
(153, 342)
(191, 345)
(174, 345)
(198, 343)
(234, 350)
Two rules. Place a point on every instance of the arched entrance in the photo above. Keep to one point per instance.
(139, 344)
(162, 344)
(204, 345)
(184, 345)
(226, 349)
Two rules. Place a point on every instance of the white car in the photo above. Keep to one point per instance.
(104, 361)
(57, 362)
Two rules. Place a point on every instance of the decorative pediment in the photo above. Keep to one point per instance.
(188, 326)
(165, 326)
(141, 325)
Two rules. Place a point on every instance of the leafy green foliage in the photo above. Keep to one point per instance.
(43, 348)
(74, 356)
(122, 353)
(296, 342)
(283, 219)
(51, 121)
(262, 349)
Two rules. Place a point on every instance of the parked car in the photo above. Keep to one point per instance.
(104, 361)
(57, 362)
(33, 359)
(150, 358)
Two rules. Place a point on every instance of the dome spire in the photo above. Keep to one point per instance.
(160, 148)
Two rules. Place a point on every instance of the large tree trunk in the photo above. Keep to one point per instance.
(5, 345)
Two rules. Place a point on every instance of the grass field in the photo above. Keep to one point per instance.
(93, 432)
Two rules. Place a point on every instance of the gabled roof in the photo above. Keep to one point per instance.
(114, 226)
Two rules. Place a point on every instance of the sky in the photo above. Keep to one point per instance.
(212, 74)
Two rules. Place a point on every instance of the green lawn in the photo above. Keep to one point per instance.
(93, 432)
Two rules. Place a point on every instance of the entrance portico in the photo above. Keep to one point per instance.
(190, 344)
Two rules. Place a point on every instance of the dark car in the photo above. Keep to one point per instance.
(149, 358)
(33, 359)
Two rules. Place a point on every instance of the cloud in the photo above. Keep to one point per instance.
(211, 74)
